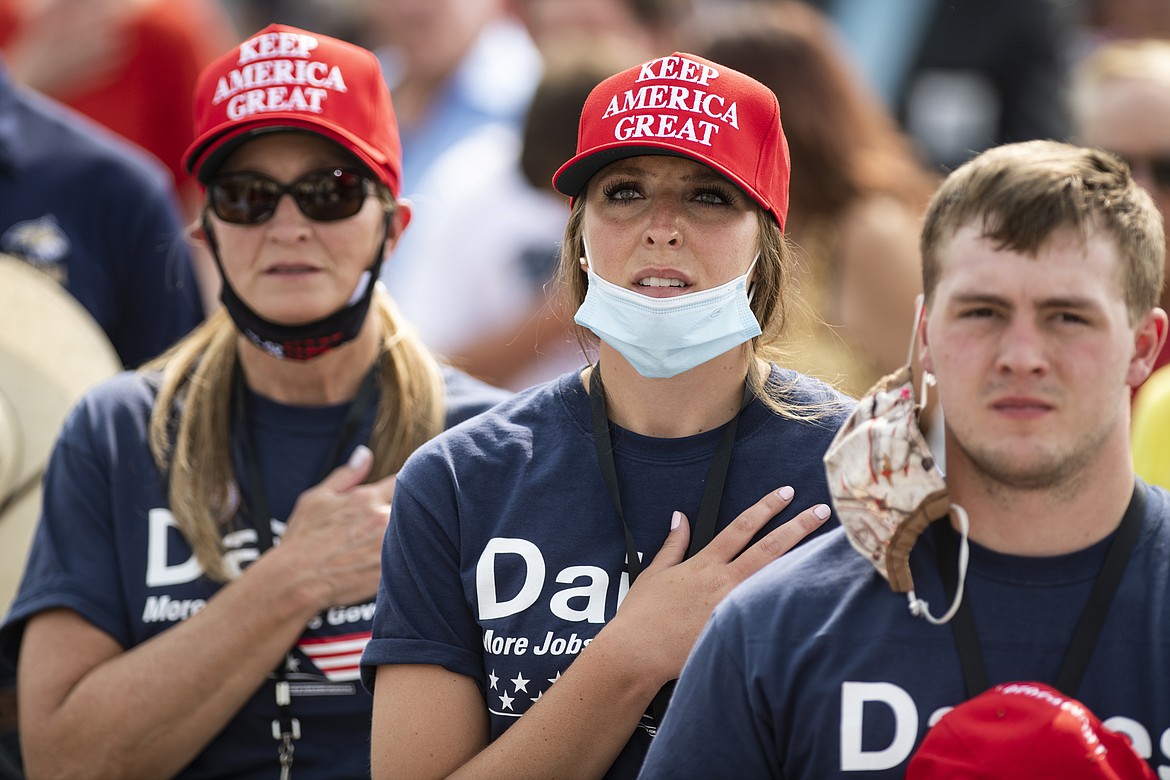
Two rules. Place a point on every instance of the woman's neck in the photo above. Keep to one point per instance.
(332, 378)
(692, 402)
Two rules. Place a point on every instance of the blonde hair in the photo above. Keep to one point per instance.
(191, 423)
(770, 304)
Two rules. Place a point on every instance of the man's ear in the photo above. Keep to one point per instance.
(924, 358)
(1149, 337)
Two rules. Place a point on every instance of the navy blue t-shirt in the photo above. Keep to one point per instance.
(814, 669)
(107, 548)
(506, 555)
(101, 217)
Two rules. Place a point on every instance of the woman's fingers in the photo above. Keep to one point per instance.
(777, 542)
(731, 541)
(728, 546)
(674, 549)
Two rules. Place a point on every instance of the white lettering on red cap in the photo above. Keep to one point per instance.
(271, 73)
(674, 99)
(664, 126)
(262, 101)
(678, 69)
(281, 44)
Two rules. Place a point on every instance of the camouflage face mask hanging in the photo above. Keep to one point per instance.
(886, 486)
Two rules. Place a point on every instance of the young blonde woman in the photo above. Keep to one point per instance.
(201, 585)
(499, 645)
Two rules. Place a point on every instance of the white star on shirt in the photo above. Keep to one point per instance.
(492, 679)
(554, 679)
(536, 698)
(506, 701)
(520, 683)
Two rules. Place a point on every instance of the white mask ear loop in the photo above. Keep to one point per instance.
(919, 607)
(927, 377)
(752, 286)
(919, 310)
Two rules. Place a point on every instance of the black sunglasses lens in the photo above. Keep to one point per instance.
(243, 199)
(325, 196)
(330, 195)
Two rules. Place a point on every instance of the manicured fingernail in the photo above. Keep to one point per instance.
(361, 454)
(785, 493)
(675, 519)
(822, 511)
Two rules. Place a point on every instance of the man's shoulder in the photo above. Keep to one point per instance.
(821, 570)
(1158, 508)
(42, 132)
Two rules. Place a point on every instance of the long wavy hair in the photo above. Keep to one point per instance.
(191, 423)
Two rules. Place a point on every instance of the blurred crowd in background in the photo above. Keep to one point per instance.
(879, 99)
(885, 95)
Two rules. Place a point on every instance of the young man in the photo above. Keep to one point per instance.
(1042, 264)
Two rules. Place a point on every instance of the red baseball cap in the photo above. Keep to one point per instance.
(685, 106)
(285, 78)
(1025, 731)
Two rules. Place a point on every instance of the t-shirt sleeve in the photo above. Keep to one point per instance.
(423, 615)
(714, 726)
(73, 558)
(159, 297)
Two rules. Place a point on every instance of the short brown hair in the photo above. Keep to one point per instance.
(1022, 193)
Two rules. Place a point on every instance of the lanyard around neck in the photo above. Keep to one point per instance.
(1092, 619)
(260, 508)
(285, 728)
(704, 529)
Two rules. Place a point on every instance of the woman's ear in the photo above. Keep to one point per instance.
(403, 213)
(195, 233)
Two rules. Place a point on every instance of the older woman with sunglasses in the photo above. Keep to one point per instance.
(202, 583)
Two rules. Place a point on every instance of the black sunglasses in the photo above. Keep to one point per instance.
(1159, 168)
(246, 198)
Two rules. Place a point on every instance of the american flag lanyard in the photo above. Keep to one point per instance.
(285, 728)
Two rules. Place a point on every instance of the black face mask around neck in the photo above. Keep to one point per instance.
(308, 340)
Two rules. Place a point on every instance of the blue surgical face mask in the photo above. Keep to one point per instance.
(663, 337)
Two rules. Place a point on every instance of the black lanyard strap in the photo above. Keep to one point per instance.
(703, 530)
(285, 728)
(604, 445)
(1089, 625)
(258, 502)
